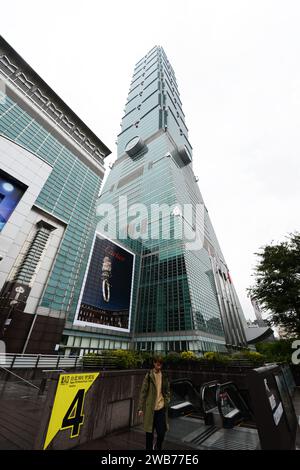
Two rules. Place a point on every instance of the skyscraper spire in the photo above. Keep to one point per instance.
(154, 104)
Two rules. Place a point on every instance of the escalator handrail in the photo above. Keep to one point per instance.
(203, 388)
(234, 386)
(195, 391)
(188, 382)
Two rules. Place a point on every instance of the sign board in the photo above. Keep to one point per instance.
(68, 405)
(106, 296)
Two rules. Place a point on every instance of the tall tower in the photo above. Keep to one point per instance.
(183, 295)
(259, 319)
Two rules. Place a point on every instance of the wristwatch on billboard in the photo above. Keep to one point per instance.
(105, 276)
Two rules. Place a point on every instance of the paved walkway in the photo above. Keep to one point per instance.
(20, 411)
(129, 439)
(134, 438)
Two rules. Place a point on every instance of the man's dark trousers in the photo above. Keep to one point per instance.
(159, 425)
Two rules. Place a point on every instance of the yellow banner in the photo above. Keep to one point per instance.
(67, 411)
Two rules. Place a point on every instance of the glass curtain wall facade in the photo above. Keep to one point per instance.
(70, 193)
(183, 297)
(36, 123)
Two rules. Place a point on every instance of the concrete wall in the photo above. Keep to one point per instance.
(110, 404)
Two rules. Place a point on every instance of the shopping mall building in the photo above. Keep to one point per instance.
(51, 169)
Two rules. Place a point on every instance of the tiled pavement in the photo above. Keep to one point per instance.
(132, 439)
(20, 411)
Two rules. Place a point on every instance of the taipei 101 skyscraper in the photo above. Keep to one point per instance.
(183, 297)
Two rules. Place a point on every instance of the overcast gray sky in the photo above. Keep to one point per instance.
(238, 71)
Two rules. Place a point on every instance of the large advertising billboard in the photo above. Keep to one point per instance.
(11, 191)
(106, 295)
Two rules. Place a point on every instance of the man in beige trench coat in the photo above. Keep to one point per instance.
(153, 404)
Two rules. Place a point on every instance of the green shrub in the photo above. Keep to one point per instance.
(146, 359)
(277, 351)
(127, 359)
(216, 357)
(251, 356)
(188, 356)
(123, 359)
(173, 358)
(92, 359)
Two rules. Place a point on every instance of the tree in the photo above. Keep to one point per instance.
(277, 283)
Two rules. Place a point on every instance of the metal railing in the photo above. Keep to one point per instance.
(38, 361)
(47, 361)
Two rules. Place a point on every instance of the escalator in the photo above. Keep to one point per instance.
(216, 416)
(222, 404)
(185, 399)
